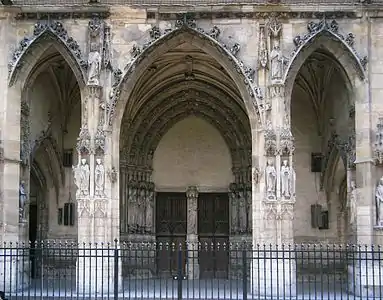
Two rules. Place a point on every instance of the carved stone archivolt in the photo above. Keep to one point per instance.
(185, 23)
(331, 28)
(141, 135)
(54, 29)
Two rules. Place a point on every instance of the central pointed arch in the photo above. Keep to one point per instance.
(171, 38)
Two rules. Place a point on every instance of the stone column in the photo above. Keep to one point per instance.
(95, 266)
(272, 274)
(192, 267)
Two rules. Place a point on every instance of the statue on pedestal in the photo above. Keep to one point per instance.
(379, 202)
(99, 178)
(94, 65)
(22, 200)
(271, 176)
(286, 180)
(81, 178)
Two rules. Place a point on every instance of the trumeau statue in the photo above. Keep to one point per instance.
(379, 202)
(99, 178)
(271, 176)
(94, 65)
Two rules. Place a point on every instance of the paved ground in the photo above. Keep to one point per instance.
(168, 289)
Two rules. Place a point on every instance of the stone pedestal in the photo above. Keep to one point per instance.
(273, 274)
(15, 266)
(365, 273)
(192, 265)
(96, 271)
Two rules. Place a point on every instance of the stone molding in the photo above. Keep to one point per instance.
(184, 23)
(330, 28)
(53, 29)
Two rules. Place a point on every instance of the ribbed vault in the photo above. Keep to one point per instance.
(183, 82)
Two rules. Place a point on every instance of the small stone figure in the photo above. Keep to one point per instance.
(99, 178)
(271, 175)
(22, 200)
(351, 203)
(94, 64)
(277, 60)
(81, 178)
(286, 180)
(379, 202)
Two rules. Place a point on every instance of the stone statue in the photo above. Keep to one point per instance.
(84, 177)
(99, 178)
(242, 211)
(351, 203)
(233, 209)
(271, 176)
(141, 201)
(94, 65)
(132, 207)
(379, 202)
(276, 60)
(286, 180)
(22, 200)
(249, 210)
(149, 210)
(192, 198)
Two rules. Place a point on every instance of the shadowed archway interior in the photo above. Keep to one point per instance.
(184, 82)
(323, 123)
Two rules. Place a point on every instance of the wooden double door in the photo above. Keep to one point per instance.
(213, 232)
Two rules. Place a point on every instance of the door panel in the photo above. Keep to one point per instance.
(171, 222)
(213, 230)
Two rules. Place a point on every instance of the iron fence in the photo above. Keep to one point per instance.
(192, 2)
(190, 271)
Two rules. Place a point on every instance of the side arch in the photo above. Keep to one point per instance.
(31, 49)
(160, 44)
(325, 34)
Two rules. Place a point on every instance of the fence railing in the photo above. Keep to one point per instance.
(190, 271)
(192, 2)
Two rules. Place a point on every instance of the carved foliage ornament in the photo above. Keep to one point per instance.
(270, 140)
(57, 30)
(329, 27)
(185, 22)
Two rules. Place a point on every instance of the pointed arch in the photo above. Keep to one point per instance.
(143, 59)
(31, 49)
(325, 34)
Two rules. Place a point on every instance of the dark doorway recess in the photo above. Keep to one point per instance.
(213, 231)
(171, 226)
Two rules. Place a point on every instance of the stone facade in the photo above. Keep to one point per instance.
(109, 106)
